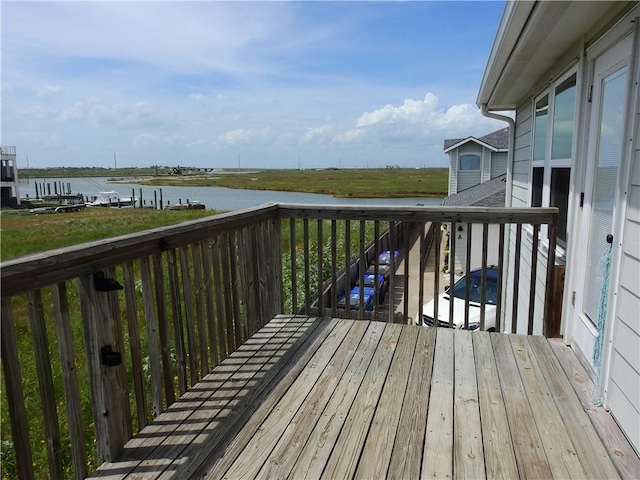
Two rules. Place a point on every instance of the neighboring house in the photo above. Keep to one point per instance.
(476, 160)
(9, 186)
(571, 72)
(487, 194)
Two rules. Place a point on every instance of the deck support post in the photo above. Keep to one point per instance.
(108, 394)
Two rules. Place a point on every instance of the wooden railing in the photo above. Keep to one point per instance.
(115, 330)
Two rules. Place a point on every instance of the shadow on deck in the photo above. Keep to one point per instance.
(309, 397)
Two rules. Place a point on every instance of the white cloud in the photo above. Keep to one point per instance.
(317, 134)
(198, 97)
(121, 115)
(245, 137)
(47, 90)
(355, 135)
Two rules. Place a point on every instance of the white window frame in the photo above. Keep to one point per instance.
(470, 154)
(547, 163)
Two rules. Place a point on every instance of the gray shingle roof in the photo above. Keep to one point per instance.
(487, 194)
(498, 139)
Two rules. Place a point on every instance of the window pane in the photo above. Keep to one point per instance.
(560, 198)
(563, 120)
(540, 128)
(470, 162)
(536, 187)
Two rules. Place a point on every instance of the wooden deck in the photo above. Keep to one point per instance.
(310, 398)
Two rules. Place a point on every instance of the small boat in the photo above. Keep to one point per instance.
(111, 199)
(193, 205)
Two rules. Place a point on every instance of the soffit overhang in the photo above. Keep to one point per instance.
(532, 38)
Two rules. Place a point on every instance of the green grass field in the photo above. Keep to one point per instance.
(23, 233)
(357, 183)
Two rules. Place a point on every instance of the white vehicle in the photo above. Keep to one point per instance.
(475, 298)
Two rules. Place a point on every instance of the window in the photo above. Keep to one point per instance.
(552, 151)
(469, 162)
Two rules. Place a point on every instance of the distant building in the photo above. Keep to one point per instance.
(9, 188)
(476, 160)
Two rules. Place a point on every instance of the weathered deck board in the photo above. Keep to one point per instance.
(322, 398)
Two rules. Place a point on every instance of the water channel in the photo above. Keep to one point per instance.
(214, 198)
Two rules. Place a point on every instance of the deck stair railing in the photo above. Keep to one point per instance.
(100, 338)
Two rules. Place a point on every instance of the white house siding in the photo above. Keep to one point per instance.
(486, 164)
(521, 157)
(453, 172)
(498, 164)
(624, 385)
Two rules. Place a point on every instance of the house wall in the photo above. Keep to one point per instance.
(453, 171)
(498, 164)
(624, 385)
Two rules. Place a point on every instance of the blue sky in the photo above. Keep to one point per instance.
(251, 84)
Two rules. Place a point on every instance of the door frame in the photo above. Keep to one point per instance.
(578, 332)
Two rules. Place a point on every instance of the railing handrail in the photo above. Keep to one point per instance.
(442, 214)
(29, 272)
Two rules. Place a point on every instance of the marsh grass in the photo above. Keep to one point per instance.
(352, 183)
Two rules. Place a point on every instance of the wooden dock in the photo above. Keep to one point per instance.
(324, 398)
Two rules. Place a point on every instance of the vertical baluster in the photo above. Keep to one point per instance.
(347, 268)
(499, 293)
(219, 292)
(134, 345)
(187, 295)
(45, 381)
(437, 233)
(532, 283)
(422, 262)
(228, 295)
(14, 393)
(320, 270)
(208, 289)
(467, 269)
(70, 380)
(334, 268)
(391, 272)
(376, 265)
(547, 331)
(483, 286)
(307, 279)
(407, 247)
(200, 320)
(361, 266)
(294, 273)
(452, 271)
(516, 279)
(163, 329)
(178, 322)
(152, 336)
(276, 267)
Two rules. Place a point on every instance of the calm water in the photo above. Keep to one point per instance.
(214, 198)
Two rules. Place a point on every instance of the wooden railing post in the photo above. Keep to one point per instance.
(15, 394)
(108, 394)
